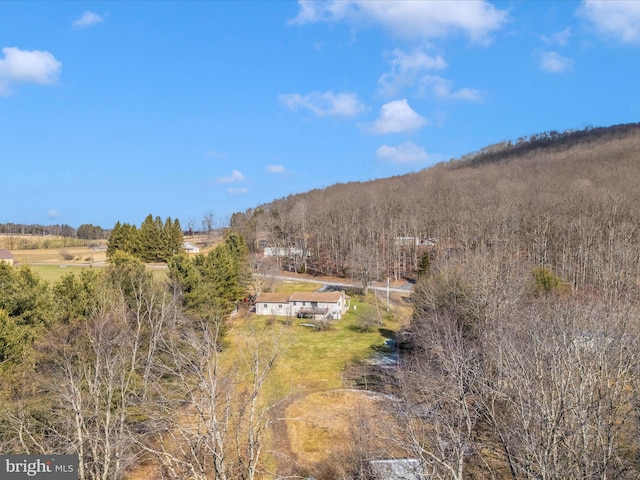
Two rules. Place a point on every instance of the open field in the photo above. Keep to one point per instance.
(314, 409)
(30, 242)
(52, 273)
(60, 256)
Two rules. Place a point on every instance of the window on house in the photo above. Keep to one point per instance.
(279, 306)
(265, 305)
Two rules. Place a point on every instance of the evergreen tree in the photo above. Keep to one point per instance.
(172, 238)
(116, 239)
(155, 241)
(123, 238)
(75, 295)
(25, 312)
(150, 237)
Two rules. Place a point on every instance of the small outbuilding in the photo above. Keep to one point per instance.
(190, 247)
(6, 256)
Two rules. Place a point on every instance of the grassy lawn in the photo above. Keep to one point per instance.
(52, 273)
(309, 373)
(290, 287)
(314, 360)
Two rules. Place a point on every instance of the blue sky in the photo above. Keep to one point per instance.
(113, 110)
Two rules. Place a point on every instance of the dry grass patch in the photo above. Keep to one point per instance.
(67, 255)
(324, 424)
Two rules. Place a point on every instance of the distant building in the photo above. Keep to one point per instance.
(287, 252)
(397, 469)
(314, 305)
(417, 241)
(6, 257)
(190, 247)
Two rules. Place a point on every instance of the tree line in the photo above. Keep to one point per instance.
(85, 231)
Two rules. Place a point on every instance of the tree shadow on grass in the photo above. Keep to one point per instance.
(387, 333)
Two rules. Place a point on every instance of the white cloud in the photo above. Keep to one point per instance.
(614, 18)
(236, 176)
(441, 88)
(53, 213)
(27, 66)
(553, 62)
(237, 191)
(324, 104)
(87, 19)
(276, 169)
(409, 18)
(214, 154)
(406, 153)
(397, 117)
(407, 68)
(559, 38)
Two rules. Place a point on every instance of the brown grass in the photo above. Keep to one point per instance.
(59, 256)
(320, 422)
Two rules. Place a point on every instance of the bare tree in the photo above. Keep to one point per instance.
(191, 226)
(213, 420)
(263, 273)
(438, 411)
(208, 224)
(561, 398)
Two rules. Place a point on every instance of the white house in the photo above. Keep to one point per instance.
(273, 304)
(315, 305)
(190, 247)
(330, 305)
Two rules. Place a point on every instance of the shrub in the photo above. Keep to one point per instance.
(545, 282)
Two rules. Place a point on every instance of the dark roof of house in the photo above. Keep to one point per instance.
(5, 254)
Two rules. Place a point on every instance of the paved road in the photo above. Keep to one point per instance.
(406, 288)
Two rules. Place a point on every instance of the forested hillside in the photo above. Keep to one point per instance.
(520, 359)
(564, 201)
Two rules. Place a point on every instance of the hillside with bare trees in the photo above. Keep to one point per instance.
(520, 358)
(567, 201)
